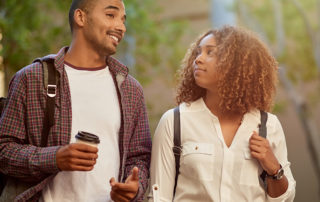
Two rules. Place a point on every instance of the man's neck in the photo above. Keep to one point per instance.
(81, 56)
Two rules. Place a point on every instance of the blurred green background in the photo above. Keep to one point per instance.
(158, 35)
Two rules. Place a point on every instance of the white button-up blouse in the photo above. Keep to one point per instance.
(209, 170)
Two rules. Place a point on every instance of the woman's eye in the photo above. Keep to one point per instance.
(198, 52)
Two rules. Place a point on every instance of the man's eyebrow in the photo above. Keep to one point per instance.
(111, 7)
(115, 8)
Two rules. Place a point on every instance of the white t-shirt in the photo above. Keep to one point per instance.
(209, 170)
(95, 109)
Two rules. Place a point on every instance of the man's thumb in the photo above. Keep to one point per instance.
(135, 174)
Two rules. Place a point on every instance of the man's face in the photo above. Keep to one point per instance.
(105, 25)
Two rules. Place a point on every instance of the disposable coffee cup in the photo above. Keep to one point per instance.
(87, 138)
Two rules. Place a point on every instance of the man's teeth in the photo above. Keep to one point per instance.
(114, 38)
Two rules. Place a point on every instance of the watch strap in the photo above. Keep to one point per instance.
(276, 176)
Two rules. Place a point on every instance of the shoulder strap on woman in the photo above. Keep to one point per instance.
(263, 133)
(177, 144)
(262, 126)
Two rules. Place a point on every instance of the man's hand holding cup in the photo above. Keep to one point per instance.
(79, 156)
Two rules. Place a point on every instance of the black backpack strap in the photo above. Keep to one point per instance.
(263, 133)
(3, 102)
(263, 127)
(50, 78)
(177, 144)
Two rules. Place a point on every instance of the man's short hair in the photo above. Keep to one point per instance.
(84, 5)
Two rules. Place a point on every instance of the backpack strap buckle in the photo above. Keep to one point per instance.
(177, 150)
(52, 90)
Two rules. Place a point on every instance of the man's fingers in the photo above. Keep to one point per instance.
(76, 157)
(117, 197)
(135, 174)
(112, 182)
(84, 147)
(82, 162)
(123, 187)
(80, 154)
(126, 190)
(80, 168)
(125, 194)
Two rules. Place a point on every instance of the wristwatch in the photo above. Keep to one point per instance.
(276, 176)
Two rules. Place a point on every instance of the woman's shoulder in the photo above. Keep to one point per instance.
(273, 124)
(197, 105)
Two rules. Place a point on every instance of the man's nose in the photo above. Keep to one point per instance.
(121, 27)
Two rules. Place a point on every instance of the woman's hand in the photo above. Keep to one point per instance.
(261, 150)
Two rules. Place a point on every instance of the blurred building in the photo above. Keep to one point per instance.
(197, 13)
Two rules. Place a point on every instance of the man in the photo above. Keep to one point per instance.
(94, 94)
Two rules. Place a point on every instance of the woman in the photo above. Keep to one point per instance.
(228, 76)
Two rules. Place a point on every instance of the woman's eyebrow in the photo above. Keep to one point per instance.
(210, 46)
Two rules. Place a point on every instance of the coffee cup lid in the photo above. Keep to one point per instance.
(87, 137)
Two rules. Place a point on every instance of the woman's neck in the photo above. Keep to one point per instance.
(212, 101)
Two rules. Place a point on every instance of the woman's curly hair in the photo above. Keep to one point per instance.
(247, 72)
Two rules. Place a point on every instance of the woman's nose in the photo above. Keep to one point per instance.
(198, 59)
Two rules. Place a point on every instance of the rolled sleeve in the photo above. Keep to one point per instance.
(280, 151)
(287, 196)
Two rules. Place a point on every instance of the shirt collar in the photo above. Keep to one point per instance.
(115, 66)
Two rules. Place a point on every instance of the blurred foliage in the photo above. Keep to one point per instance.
(35, 28)
(31, 30)
(298, 55)
(152, 38)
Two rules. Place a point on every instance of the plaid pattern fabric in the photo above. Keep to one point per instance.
(21, 124)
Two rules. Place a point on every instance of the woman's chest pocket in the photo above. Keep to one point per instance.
(197, 160)
(250, 170)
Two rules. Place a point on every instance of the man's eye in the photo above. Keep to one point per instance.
(110, 15)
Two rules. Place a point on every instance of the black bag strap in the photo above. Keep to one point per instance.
(177, 140)
(3, 102)
(50, 78)
(177, 144)
(263, 133)
(262, 126)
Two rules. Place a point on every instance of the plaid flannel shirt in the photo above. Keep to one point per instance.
(21, 124)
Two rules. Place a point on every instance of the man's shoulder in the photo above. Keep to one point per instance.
(34, 70)
(122, 71)
(29, 70)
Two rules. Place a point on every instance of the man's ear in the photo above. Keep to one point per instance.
(79, 17)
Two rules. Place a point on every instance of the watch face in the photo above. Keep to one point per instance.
(280, 173)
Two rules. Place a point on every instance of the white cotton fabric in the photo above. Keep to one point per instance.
(209, 170)
(95, 109)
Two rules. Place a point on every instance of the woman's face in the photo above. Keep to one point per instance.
(204, 71)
